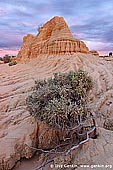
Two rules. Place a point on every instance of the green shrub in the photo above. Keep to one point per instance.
(7, 59)
(1, 59)
(110, 54)
(60, 101)
(12, 63)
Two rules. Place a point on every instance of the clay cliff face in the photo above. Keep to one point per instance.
(54, 37)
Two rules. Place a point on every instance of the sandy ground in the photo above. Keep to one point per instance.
(15, 86)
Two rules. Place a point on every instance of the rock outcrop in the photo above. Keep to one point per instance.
(108, 124)
(96, 154)
(17, 131)
(54, 38)
(95, 53)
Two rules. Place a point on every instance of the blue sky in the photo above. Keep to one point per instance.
(88, 20)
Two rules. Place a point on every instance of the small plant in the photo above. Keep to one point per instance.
(61, 101)
(110, 54)
(12, 63)
(7, 59)
(1, 59)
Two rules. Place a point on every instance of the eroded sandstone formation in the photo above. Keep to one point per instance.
(95, 53)
(54, 37)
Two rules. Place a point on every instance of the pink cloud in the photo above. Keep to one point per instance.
(8, 51)
(98, 46)
(26, 24)
(2, 12)
(79, 35)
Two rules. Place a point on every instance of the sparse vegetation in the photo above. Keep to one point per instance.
(12, 63)
(1, 59)
(61, 101)
(110, 54)
(7, 58)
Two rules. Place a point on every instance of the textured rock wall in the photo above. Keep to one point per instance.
(54, 37)
(25, 51)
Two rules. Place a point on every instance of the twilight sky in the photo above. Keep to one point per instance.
(89, 20)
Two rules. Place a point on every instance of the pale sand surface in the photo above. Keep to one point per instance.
(17, 127)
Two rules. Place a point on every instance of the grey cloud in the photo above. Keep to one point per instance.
(92, 18)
